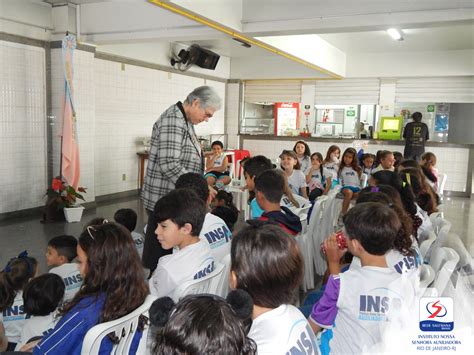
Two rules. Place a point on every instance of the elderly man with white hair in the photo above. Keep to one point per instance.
(175, 150)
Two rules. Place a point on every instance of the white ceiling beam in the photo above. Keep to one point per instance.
(227, 12)
(190, 33)
(358, 23)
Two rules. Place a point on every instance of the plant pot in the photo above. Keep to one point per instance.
(73, 214)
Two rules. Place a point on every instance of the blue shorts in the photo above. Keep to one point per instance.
(352, 188)
(216, 174)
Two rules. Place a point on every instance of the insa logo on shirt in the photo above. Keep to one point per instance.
(375, 308)
(73, 281)
(206, 271)
(218, 236)
(14, 313)
(138, 242)
(350, 173)
(305, 343)
(407, 263)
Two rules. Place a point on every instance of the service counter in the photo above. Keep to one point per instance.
(456, 160)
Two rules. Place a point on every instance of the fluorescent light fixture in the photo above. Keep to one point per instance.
(395, 34)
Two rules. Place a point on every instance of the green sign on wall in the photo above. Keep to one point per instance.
(350, 113)
(430, 108)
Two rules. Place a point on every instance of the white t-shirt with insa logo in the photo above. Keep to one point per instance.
(13, 318)
(216, 233)
(283, 330)
(72, 278)
(349, 177)
(190, 263)
(297, 181)
(360, 304)
(37, 326)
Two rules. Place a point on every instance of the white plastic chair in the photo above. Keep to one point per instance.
(441, 227)
(124, 328)
(427, 275)
(443, 261)
(307, 252)
(364, 178)
(434, 218)
(455, 243)
(441, 184)
(426, 244)
(315, 235)
(211, 284)
(231, 165)
(445, 227)
(240, 198)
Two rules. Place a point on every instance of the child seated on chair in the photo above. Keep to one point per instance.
(269, 187)
(252, 168)
(41, 298)
(296, 178)
(368, 163)
(387, 161)
(318, 178)
(128, 218)
(269, 266)
(358, 305)
(225, 209)
(180, 216)
(350, 177)
(13, 279)
(216, 165)
(214, 230)
(203, 324)
(113, 287)
(428, 165)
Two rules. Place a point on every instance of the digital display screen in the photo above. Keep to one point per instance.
(390, 124)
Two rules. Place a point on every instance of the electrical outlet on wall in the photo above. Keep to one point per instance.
(124, 177)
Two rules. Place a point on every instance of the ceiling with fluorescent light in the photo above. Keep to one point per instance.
(445, 38)
(350, 26)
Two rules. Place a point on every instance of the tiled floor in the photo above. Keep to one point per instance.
(17, 235)
(460, 212)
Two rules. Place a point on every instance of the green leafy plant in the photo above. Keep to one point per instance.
(64, 194)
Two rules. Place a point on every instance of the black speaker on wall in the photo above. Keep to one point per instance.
(202, 57)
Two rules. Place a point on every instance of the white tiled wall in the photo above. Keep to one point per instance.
(451, 161)
(232, 115)
(84, 103)
(128, 102)
(23, 170)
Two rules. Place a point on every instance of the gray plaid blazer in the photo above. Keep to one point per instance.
(174, 151)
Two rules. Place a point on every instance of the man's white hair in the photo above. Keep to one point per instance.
(207, 97)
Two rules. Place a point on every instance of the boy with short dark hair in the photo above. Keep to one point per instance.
(269, 186)
(252, 168)
(214, 229)
(60, 255)
(180, 216)
(128, 218)
(359, 305)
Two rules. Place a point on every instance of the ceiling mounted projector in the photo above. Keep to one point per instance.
(195, 55)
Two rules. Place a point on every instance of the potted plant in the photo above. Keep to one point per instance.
(63, 196)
